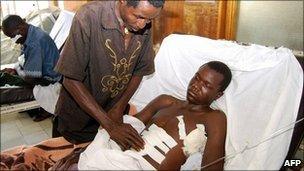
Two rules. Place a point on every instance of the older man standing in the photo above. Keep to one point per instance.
(107, 53)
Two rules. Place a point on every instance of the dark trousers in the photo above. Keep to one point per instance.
(23, 93)
(15, 95)
(55, 132)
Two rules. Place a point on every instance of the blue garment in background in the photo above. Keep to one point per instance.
(41, 55)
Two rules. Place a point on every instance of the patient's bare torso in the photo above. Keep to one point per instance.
(167, 119)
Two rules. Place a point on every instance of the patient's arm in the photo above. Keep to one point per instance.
(154, 106)
(215, 146)
(174, 159)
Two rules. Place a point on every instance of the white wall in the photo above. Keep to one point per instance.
(272, 23)
(21, 8)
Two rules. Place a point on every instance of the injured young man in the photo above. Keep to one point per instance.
(172, 130)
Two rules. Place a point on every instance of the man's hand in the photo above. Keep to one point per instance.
(123, 134)
(126, 136)
(10, 71)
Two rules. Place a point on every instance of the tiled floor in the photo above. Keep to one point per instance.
(20, 129)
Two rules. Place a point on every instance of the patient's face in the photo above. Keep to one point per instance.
(204, 86)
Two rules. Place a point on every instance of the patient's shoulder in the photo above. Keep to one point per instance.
(216, 120)
(162, 101)
(168, 99)
(218, 113)
(217, 116)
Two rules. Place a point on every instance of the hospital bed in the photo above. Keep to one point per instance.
(58, 33)
(262, 103)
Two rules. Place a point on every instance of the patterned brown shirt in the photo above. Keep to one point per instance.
(95, 54)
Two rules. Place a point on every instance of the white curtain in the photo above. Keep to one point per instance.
(21, 8)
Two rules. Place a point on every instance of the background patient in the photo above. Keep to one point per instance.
(191, 126)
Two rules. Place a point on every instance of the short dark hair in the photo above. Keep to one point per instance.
(155, 3)
(223, 69)
(12, 21)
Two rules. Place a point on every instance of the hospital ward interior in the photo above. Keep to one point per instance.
(260, 41)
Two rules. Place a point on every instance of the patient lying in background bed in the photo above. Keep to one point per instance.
(175, 129)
